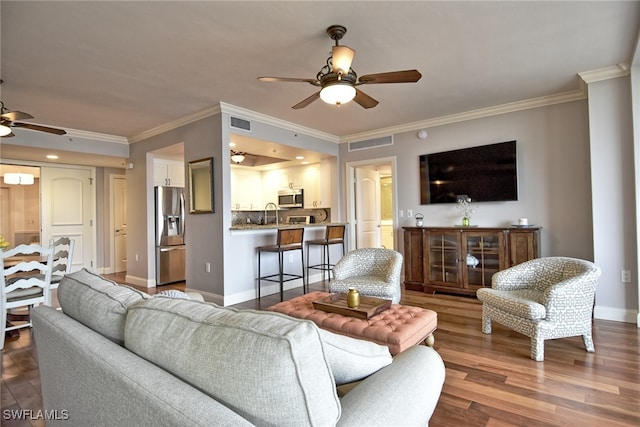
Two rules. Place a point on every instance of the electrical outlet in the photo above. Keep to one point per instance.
(625, 276)
(401, 213)
(409, 213)
(207, 267)
(290, 257)
(137, 259)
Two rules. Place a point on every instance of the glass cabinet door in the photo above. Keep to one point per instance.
(484, 256)
(443, 262)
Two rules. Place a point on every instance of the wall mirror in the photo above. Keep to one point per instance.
(201, 186)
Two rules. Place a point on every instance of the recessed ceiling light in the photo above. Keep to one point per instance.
(232, 144)
(299, 157)
(52, 156)
(305, 163)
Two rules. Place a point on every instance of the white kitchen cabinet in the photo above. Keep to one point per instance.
(311, 185)
(291, 178)
(246, 186)
(168, 173)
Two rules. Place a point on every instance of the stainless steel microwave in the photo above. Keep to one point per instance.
(291, 198)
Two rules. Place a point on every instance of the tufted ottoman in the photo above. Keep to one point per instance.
(399, 327)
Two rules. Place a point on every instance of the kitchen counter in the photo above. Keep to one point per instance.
(254, 227)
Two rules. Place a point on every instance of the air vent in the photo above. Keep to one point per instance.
(243, 124)
(371, 143)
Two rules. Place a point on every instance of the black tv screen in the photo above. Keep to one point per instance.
(484, 174)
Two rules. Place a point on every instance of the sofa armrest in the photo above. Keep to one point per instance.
(404, 393)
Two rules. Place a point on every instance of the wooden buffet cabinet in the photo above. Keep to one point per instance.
(463, 259)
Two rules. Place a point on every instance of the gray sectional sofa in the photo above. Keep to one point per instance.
(114, 356)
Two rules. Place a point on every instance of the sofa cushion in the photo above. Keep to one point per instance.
(97, 303)
(267, 367)
(352, 359)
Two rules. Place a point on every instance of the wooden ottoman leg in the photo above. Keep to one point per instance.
(429, 341)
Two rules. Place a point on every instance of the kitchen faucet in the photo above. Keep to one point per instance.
(275, 207)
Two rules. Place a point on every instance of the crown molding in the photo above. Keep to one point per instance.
(94, 136)
(273, 121)
(606, 73)
(471, 115)
(174, 124)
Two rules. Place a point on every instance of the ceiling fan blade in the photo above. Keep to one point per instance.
(16, 115)
(364, 100)
(38, 128)
(306, 101)
(407, 76)
(314, 82)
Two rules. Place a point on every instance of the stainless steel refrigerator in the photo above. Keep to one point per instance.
(170, 227)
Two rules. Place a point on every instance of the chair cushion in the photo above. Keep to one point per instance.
(524, 303)
(97, 303)
(352, 359)
(269, 368)
(19, 294)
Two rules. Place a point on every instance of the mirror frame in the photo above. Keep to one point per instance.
(201, 186)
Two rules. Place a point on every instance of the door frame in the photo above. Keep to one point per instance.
(112, 241)
(350, 169)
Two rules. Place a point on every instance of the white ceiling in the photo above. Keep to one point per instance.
(122, 68)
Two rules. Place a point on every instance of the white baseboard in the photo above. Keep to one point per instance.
(616, 314)
(140, 281)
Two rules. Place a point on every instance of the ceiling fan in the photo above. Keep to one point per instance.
(338, 81)
(8, 120)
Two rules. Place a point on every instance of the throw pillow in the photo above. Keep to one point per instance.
(352, 359)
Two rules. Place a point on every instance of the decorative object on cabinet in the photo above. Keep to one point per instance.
(544, 298)
(419, 220)
(462, 259)
(201, 186)
(464, 206)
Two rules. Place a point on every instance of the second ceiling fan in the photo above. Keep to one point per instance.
(338, 81)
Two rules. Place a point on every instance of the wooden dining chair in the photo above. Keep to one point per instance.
(20, 285)
(62, 259)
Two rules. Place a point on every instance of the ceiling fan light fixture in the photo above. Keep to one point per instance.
(237, 158)
(4, 130)
(342, 56)
(18, 178)
(338, 93)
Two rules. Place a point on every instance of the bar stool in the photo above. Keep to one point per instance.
(334, 235)
(288, 239)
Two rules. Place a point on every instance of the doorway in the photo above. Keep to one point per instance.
(371, 201)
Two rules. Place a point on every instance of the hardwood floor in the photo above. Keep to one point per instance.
(491, 381)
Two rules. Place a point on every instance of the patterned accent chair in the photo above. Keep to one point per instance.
(375, 272)
(544, 298)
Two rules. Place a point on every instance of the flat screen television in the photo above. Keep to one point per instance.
(487, 173)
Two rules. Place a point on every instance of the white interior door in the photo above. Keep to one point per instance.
(367, 208)
(119, 223)
(68, 199)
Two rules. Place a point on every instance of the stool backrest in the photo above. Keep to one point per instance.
(290, 236)
(335, 232)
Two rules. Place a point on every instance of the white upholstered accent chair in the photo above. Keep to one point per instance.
(544, 298)
(374, 272)
(19, 288)
(62, 259)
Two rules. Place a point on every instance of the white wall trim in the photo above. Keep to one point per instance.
(174, 124)
(283, 124)
(616, 314)
(140, 281)
(471, 115)
(606, 73)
